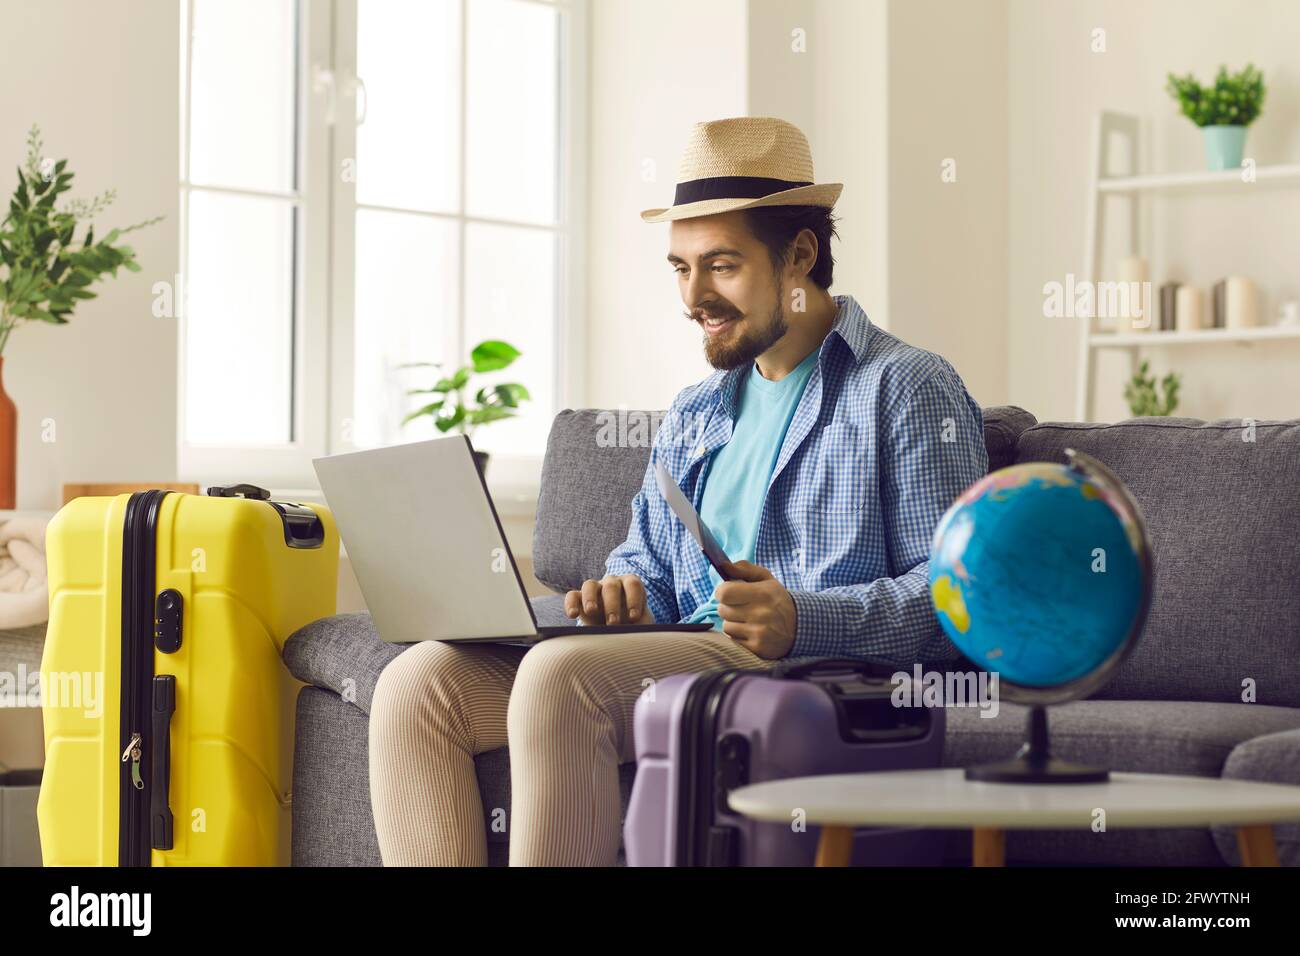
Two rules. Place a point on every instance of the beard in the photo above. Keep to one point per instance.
(746, 340)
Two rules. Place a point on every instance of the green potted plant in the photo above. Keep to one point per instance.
(1222, 111)
(491, 403)
(46, 267)
(1143, 398)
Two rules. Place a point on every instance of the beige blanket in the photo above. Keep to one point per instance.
(23, 597)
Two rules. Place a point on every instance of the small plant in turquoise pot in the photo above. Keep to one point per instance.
(1222, 111)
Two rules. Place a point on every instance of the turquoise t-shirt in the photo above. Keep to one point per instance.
(735, 483)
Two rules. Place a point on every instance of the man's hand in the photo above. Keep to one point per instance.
(614, 599)
(756, 610)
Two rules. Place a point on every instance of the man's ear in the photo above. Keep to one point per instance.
(804, 252)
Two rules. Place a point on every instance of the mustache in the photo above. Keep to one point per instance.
(718, 310)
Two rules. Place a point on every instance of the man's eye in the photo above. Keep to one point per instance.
(721, 267)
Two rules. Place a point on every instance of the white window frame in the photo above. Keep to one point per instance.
(325, 267)
(283, 464)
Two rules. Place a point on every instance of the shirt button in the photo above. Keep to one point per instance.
(700, 451)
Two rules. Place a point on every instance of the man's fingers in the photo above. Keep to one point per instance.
(590, 595)
(591, 602)
(573, 604)
(634, 594)
(740, 613)
(748, 571)
(740, 632)
(611, 592)
(737, 593)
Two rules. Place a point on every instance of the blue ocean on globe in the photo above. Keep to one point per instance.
(1036, 573)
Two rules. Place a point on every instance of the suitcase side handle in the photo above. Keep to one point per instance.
(302, 526)
(160, 811)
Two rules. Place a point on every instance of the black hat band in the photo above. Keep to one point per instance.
(731, 187)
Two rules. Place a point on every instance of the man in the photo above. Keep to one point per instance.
(821, 453)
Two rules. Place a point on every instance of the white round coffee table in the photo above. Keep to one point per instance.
(945, 799)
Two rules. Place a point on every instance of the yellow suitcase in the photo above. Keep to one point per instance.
(168, 711)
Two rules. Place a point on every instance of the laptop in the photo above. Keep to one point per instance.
(428, 550)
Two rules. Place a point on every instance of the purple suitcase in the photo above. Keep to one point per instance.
(699, 736)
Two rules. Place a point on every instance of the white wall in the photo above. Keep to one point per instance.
(656, 68)
(947, 239)
(1056, 87)
(101, 80)
(851, 143)
(835, 91)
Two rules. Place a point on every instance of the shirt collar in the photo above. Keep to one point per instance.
(851, 325)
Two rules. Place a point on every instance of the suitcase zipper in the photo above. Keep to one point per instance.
(139, 528)
(695, 799)
(133, 753)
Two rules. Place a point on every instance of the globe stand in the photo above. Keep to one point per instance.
(1035, 763)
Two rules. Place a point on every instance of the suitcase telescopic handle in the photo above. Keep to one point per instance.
(239, 491)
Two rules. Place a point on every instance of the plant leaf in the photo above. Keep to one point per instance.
(421, 412)
(489, 413)
(447, 422)
(493, 354)
(509, 394)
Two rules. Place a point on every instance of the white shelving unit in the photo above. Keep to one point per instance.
(1225, 181)
(1108, 181)
(1120, 340)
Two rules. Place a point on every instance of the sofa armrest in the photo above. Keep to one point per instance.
(1268, 758)
(342, 653)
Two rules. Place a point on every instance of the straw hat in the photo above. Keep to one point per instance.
(741, 163)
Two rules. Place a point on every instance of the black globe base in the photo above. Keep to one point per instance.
(1023, 770)
(1035, 763)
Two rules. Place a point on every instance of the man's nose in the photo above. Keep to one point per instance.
(698, 288)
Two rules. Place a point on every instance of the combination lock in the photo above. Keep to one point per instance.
(167, 622)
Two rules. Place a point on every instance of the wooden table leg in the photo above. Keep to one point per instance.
(989, 847)
(1257, 846)
(835, 848)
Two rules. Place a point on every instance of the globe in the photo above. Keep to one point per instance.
(1042, 573)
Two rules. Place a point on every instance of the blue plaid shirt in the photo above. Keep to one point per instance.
(884, 439)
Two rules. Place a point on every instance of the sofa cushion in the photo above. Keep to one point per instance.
(1132, 736)
(1220, 504)
(1002, 427)
(589, 478)
(594, 465)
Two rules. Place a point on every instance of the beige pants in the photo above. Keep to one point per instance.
(564, 707)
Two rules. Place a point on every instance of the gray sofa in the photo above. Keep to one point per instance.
(1222, 501)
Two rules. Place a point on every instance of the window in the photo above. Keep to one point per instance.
(366, 185)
